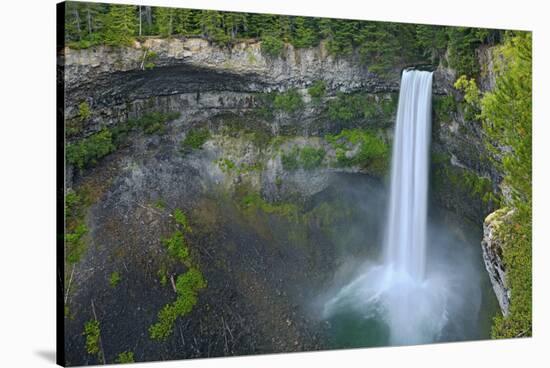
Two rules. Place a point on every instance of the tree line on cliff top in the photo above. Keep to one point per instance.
(382, 45)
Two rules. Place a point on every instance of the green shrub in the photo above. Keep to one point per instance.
(74, 242)
(372, 154)
(194, 139)
(76, 203)
(92, 333)
(114, 279)
(254, 202)
(181, 220)
(350, 107)
(507, 120)
(289, 101)
(461, 48)
(149, 60)
(177, 247)
(125, 357)
(84, 111)
(317, 89)
(89, 150)
(311, 158)
(472, 98)
(187, 287)
(272, 46)
(154, 122)
(308, 158)
(345, 107)
(444, 107)
(226, 165)
(290, 160)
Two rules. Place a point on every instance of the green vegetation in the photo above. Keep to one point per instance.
(92, 333)
(226, 165)
(114, 279)
(177, 247)
(462, 45)
(187, 287)
(507, 119)
(84, 111)
(153, 122)
(160, 204)
(472, 97)
(289, 101)
(351, 107)
(149, 59)
(308, 158)
(373, 152)
(253, 202)
(89, 150)
(317, 89)
(194, 139)
(75, 227)
(162, 275)
(381, 45)
(125, 357)
(444, 107)
(181, 220)
(346, 107)
(272, 46)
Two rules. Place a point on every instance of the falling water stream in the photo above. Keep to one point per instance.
(406, 296)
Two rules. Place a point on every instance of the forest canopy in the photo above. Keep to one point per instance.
(380, 44)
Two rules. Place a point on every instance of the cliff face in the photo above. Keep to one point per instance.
(493, 245)
(201, 80)
(191, 75)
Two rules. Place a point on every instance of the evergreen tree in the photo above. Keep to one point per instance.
(212, 26)
(120, 25)
(165, 21)
(304, 32)
(432, 40)
(234, 23)
(507, 114)
(187, 22)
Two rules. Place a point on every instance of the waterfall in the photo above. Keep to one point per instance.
(406, 231)
(413, 304)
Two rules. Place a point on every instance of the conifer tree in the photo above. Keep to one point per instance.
(304, 34)
(120, 25)
(213, 27)
(165, 21)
